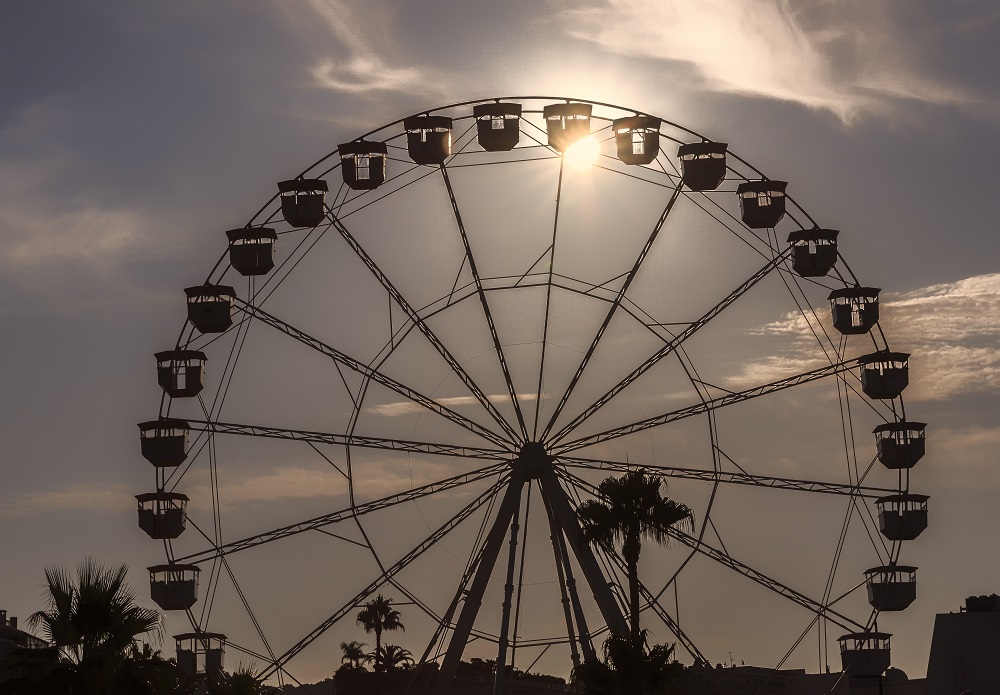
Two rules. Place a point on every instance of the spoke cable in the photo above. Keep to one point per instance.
(548, 297)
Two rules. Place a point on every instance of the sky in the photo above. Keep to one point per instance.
(133, 135)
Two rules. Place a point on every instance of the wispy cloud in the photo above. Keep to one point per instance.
(409, 407)
(379, 478)
(965, 310)
(812, 53)
(967, 459)
(39, 230)
(279, 485)
(951, 328)
(66, 234)
(276, 484)
(91, 497)
(362, 74)
(772, 368)
(360, 67)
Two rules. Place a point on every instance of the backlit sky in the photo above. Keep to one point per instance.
(133, 134)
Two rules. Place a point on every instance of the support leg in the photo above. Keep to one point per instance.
(508, 594)
(555, 536)
(470, 608)
(563, 511)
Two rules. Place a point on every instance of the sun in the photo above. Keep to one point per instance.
(583, 153)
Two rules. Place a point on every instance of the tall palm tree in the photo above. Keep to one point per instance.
(630, 510)
(377, 616)
(94, 621)
(354, 653)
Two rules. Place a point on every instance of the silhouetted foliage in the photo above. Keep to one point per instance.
(354, 653)
(145, 671)
(94, 622)
(631, 509)
(379, 616)
(625, 671)
(393, 657)
(242, 681)
(30, 671)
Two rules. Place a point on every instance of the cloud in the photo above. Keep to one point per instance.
(961, 458)
(814, 53)
(770, 369)
(239, 487)
(409, 407)
(378, 477)
(951, 329)
(965, 310)
(98, 498)
(277, 485)
(56, 224)
(72, 245)
(87, 234)
(365, 74)
(360, 68)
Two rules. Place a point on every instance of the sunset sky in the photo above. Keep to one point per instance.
(132, 135)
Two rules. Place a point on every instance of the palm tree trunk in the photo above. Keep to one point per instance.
(630, 551)
(633, 596)
(378, 649)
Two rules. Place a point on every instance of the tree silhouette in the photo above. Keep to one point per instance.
(242, 681)
(630, 510)
(94, 621)
(623, 670)
(379, 616)
(393, 657)
(354, 653)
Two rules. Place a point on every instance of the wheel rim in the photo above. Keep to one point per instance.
(512, 426)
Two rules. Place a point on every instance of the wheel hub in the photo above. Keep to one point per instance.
(533, 459)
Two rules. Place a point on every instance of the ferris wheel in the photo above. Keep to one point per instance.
(419, 357)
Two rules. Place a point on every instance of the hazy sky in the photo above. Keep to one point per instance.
(132, 135)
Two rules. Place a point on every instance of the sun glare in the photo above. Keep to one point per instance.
(583, 153)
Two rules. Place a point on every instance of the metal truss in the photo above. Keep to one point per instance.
(403, 445)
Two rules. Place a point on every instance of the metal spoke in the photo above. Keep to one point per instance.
(422, 326)
(736, 477)
(369, 372)
(689, 646)
(404, 445)
(446, 621)
(669, 347)
(548, 298)
(486, 306)
(715, 403)
(506, 639)
(350, 512)
(384, 578)
(614, 308)
(767, 582)
(727, 560)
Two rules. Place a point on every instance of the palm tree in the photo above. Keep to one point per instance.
(393, 657)
(354, 653)
(94, 621)
(630, 510)
(620, 671)
(242, 681)
(377, 616)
